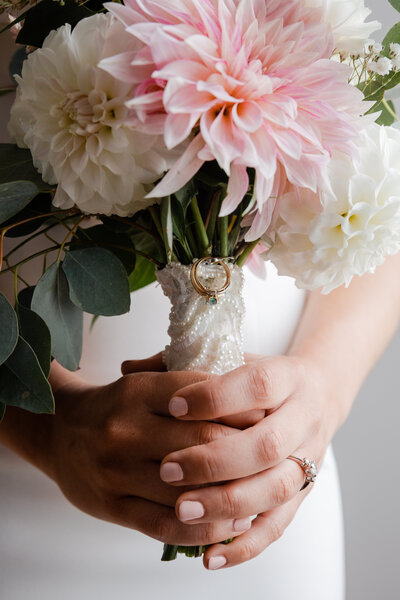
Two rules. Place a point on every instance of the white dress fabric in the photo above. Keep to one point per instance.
(49, 550)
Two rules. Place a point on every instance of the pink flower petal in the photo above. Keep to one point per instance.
(247, 116)
(181, 172)
(178, 128)
(237, 187)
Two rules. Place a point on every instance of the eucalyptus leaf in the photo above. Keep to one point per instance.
(40, 205)
(14, 196)
(143, 274)
(119, 244)
(8, 329)
(23, 383)
(2, 410)
(166, 224)
(51, 301)
(16, 165)
(97, 280)
(25, 296)
(48, 15)
(35, 331)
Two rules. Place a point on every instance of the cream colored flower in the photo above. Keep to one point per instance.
(323, 241)
(348, 21)
(72, 116)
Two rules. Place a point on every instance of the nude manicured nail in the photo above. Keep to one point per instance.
(171, 471)
(241, 524)
(216, 562)
(190, 509)
(178, 406)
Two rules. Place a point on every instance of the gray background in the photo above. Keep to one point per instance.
(366, 447)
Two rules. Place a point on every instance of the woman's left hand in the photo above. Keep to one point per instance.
(251, 468)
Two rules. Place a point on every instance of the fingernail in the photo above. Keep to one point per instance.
(190, 509)
(242, 524)
(171, 471)
(216, 562)
(178, 406)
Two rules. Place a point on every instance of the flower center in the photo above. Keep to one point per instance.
(86, 114)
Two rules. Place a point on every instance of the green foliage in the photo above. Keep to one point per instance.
(386, 117)
(35, 331)
(119, 243)
(51, 301)
(98, 283)
(16, 165)
(32, 213)
(395, 4)
(392, 37)
(48, 15)
(8, 329)
(166, 225)
(144, 274)
(14, 196)
(23, 383)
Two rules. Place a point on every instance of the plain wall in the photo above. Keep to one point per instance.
(366, 447)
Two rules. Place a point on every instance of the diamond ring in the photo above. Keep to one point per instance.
(309, 467)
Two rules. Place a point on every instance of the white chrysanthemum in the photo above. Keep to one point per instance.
(347, 19)
(71, 115)
(323, 241)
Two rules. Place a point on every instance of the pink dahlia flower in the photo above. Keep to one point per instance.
(249, 82)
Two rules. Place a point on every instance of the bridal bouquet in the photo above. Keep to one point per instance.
(177, 140)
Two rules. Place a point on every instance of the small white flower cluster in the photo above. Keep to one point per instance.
(382, 65)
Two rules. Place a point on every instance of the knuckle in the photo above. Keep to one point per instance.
(209, 432)
(284, 490)
(260, 381)
(248, 549)
(162, 527)
(276, 529)
(270, 446)
(209, 466)
(216, 398)
(230, 502)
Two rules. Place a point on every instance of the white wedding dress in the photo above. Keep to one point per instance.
(49, 550)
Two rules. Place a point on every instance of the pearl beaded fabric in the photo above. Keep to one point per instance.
(204, 337)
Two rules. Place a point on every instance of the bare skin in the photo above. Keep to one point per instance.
(105, 444)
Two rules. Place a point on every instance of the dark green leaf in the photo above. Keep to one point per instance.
(144, 274)
(16, 165)
(97, 281)
(8, 329)
(185, 194)
(166, 224)
(17, 61)
(48, 15)
(51, 301)
(14, 196)
(395, 4)
(178, 219)
(2, 411)
(119, 244)
(35, 331)
(211, 174)
(146, 243)
(23, 383)
(40, 205)
(115, 224)
(25, 296)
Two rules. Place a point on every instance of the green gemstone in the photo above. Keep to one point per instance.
(212, 300)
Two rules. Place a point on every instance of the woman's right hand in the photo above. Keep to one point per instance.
(106, 446)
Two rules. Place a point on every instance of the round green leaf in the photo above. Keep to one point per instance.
(8, 329)
(23, 383)
(35, 331)
(118, 243)
(51, 302)
(98, 283)
(14, 196)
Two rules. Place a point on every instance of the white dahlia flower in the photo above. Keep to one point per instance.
(347, 19)
(71, 115)
(323, 241)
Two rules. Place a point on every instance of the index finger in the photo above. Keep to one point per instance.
(261, 384)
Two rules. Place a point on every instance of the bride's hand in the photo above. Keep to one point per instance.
(251, 466)
(106, 446)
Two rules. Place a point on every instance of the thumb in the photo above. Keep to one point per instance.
(153, 363)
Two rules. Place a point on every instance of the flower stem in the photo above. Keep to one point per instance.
(213, 214)
(246, 253)
(169, 553)
(223, 233)
(201, 233)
